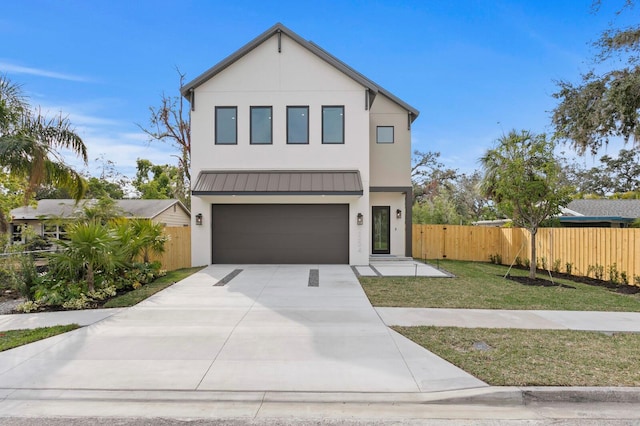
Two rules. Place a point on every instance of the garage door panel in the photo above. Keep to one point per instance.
(292, 233)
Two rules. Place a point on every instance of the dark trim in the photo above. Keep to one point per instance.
(215, 130)
(393, 135)
(408, 212)
(408, 223)
(344, 121)
(251, 108)
(197, 193)
(373, 230)
(298, 106)
(403, 189)
(311, 47)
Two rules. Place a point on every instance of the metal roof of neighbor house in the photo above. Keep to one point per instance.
(310, 46)
(280, 182)
(64, 208)
(629, 209)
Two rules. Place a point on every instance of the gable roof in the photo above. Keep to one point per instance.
(311, 47)
(629, 209)
(64, 208)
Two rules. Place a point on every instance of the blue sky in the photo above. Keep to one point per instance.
(473, 68)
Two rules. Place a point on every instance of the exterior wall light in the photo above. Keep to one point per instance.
(399, 214)
(360, 219)
(199, 219)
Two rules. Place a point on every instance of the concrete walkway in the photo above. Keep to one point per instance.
(48, 319)
(268, 329)
(488, 318)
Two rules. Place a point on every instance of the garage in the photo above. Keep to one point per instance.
(280, 233)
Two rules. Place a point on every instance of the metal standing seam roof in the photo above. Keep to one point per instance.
(310, 46)
(281, 182)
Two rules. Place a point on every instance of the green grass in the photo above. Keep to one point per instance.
(481, 286)
(535, 357)
(136, 296)
(14, 338)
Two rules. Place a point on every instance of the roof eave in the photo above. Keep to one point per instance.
(312, 47)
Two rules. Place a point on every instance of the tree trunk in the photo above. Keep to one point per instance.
(90, 278)
(534, 261)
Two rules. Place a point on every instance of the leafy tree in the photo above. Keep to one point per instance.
(154, 181)
(11, 196)
(604, 105)
(437, 210)
(523, 177)
(615, 177)
(29, 143)
(428, 174)
(170, 123)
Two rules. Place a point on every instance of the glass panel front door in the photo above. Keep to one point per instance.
(380, 228)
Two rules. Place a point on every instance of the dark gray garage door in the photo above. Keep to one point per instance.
(280, 233)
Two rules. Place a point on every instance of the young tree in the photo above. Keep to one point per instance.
(606, 105)
(523, 177)
(29, 142)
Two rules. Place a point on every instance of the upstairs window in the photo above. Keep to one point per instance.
(226, 125)
(333, 124)
(384, 134)
(261, 125)
(298, 124)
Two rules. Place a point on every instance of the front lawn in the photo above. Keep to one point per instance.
(511, 357)
(14, 338)
(481, 286)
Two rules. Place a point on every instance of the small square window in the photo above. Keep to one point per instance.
(384, 134)
(333, 124)
(226, 126)
(261, 125)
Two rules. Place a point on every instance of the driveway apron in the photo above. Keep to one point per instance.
(265, 328)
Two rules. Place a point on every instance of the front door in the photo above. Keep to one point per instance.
(380, 229)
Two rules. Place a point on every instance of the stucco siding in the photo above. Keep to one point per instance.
(390, 163)
(293, 77)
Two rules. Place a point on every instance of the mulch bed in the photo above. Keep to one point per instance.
(543, 282)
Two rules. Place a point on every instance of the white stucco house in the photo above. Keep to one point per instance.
(297, 159)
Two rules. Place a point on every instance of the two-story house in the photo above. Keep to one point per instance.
(297, 159)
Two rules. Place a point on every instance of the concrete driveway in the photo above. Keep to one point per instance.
(268, 329)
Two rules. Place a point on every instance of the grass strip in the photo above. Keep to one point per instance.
(479, 285)
(14, 338)
(513, 357)
(138, 295)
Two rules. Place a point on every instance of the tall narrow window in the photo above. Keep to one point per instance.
(333, 124)
(226, 125)
(384, 134)
(298, 124)
(261, 125)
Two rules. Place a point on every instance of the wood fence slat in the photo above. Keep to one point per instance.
(580, 247)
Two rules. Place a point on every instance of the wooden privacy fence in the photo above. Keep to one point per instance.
(177, 250)
(581, 247)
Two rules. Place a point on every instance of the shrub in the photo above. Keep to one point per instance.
(597, 270)
(518, 261)
(28, 306)
(543, 260)
(614, 274)
(527, 263)
(568, 267)
(624, 278)
(556, 265)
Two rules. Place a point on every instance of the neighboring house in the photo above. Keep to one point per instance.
(601, 213)
(167, 212)
(297, 158)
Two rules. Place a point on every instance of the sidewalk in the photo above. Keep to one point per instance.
(48, 319)
(489, 318)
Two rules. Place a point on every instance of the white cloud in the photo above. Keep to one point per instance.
(10, 68)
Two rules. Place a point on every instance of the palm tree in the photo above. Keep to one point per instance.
(148, 238)
(29, 142)
(92, 247)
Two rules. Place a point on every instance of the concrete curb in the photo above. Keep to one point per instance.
(492, 396)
